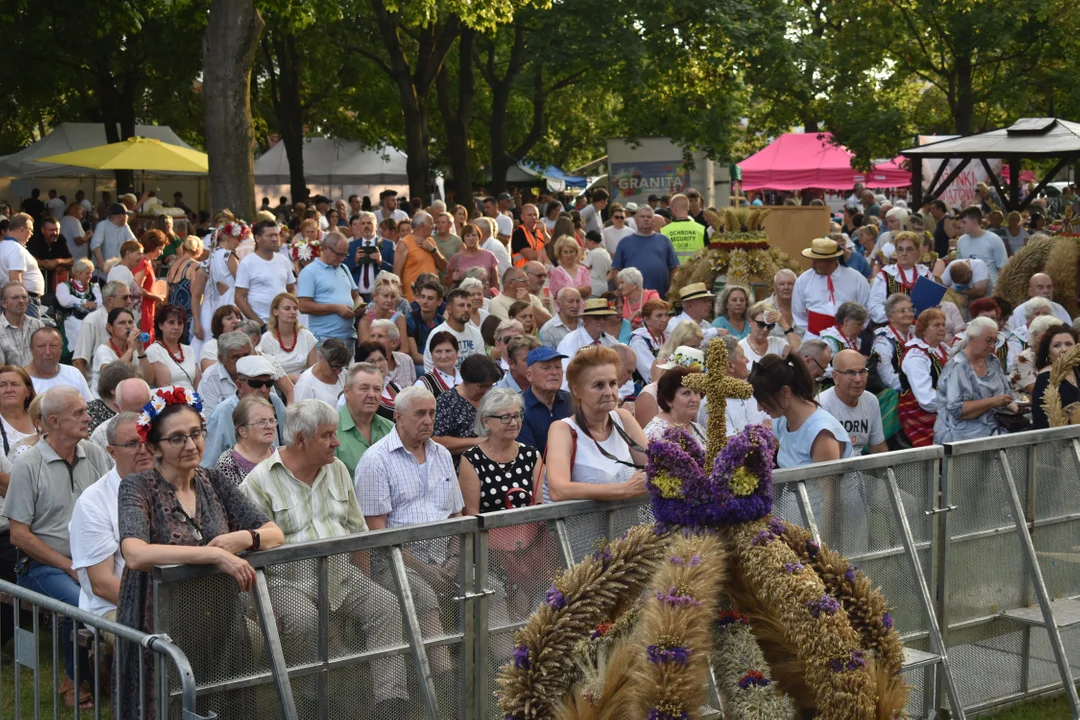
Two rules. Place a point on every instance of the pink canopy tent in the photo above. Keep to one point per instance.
(1026, 176)
(795, 161)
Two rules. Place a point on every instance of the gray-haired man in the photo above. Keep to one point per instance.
(308, 491)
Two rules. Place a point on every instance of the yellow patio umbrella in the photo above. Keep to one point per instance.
(136, 153)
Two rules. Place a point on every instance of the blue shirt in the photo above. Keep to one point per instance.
(386, 248)
(722, 323)
(795, 445)
(418, 329)
(333, 286)
(859, 263)
(538, 419)
(653, 256)
(221, 434)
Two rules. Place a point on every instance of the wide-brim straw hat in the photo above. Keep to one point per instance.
(684, 356)
(598, 307)
(693, 291)
(823, 249)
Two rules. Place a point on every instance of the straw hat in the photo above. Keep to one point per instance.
(693, 291)
(822, 249)
(685, 356)
(598, 307)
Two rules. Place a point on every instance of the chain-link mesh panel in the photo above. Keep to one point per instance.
(585, 531)
(979, 492)
(1043, 667)
(433, 567)
(916, 680)
(986, 661)
(985, 576)
(1057, 480)
(522, 562)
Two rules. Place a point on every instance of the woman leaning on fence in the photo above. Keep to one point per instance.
(180, 513)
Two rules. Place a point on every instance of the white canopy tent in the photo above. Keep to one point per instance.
(335, 168)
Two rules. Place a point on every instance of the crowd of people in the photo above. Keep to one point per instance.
(333, 369)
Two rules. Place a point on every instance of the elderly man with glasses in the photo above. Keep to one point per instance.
(857, 410)
(254, 376)
(515, 287)
(328, 294)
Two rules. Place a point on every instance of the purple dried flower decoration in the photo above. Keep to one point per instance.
(668, 712)
(812, 548)
(753, 678)
(660, 654)
(602, 556)
(887, 621)
(521, 657)
(792, 568)
(849, 574)
(856, 660)
(555, 599)
(672, 597)
(825, 604)
(776, 526)
(762, 538)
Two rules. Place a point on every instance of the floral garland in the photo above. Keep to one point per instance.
(743, 676)
(594, 591)
(234, 228)
(304, 250)
(162, 398)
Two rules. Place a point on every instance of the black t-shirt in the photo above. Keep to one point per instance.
(34, 208)
(44, 251)
(941, 239)
(519, 242)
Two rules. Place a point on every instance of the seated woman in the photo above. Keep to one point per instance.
(375, 354)
(384, 306)
(679, 406)
(760, 341)
(1055, 342)
(731, 316)
(455, 410)
(173, 362)
(445, 376)
(891, 339)
(647, 340)
(806, 432)
(499, 460)
(850, 321)
(783, 289)
(617, 326)
(286, 340)
(77, 298)
(180, 513)
(646, 406)
(972, 387)
(1023, 372)
(570, 272)
(477, 313)
(522, 312)
(606, 460)
(924, 356)
(124, 344)
(1016, 339)
(256, 429)
(686, 334)
(225, 319)
(628, 283)
(16, 394)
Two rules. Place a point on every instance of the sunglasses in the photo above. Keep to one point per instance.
(764, 325)
(259, 384)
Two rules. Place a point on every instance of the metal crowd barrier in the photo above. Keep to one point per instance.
(424, 616)
(27, 657)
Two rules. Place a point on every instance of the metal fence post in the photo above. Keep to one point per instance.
(412, 631)
(481, 686)
(278, 667)
(469, 592)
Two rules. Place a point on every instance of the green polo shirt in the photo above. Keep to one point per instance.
(353, 445)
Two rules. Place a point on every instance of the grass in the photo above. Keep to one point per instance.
(26, 686)
(1049, 709)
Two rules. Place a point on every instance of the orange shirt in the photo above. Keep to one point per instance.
(417, 260)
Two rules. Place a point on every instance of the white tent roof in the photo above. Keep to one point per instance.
(330, 161)
(67, 137)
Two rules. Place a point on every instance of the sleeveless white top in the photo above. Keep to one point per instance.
(590, 465)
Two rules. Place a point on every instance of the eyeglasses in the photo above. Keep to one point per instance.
(128, 446)
(764, 325)
(820, 366)
(336, 368)
(258, 384)
(339, 254)
(539, 276)
(506, 340)
(507, 419)
(179, 441)
(852, 373)
(907, 310)
(262, 424)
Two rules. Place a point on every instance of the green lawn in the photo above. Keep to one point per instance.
(26, 687)
(1052, 709)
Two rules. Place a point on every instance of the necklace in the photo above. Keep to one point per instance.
(178, 361)
(903, 278)
(277, 334)
(115, 349)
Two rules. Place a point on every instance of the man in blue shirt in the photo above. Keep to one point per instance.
(854, 259)
(651, 253)
(544, 401)
(327, 293)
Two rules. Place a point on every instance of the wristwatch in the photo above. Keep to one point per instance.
(789, 330)
(256, 540)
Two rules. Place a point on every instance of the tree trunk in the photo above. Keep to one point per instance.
(457, 120)
(965, 100)
(501, 90)
(232, 37)
(284, 69)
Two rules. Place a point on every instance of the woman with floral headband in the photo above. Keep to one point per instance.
(180, 513)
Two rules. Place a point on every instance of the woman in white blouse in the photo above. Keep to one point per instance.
(925, 356)
(760, 342)
(78, 297)
(124, 343)
(173, 362)
(285, 340)
(225, 319)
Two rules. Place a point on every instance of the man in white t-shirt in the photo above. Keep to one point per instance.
(458, 311)
(95, 526)
(18, 265)
(71, 228)
(598, 261)
(968, 277)
(109, 235)
(388, 207)
(504, 224)
(857, 410)
(618, 230)
(45, 369)
(981, 244)
(131, 254)
(263, 274)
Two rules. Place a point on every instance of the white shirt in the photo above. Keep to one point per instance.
(15, 256)
(121, 273)
(862, 422)
(916, 368)
(109, 238)
(707, 330)
(504, 225)
(182, 373)
(811, 294)
(310, 387)
(71, 228)
(95, 536)
(397, 214)
(67, 376)
(738, 414)
(496, 248)
(1019, 318)
(599, 262)
(887, 346)
(988, 247)
(612, 235)
(92, 335)
(294, 361)
(575, 341)
(56, 206)
(264, 280)
(979, 272)
(775, 347)
(469, 341)
(645, 347)
(879, 290)
(215, 386)
(103, 355)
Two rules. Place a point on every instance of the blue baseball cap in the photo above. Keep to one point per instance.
(541, 354)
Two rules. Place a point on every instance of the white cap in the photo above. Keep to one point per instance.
(254, 366)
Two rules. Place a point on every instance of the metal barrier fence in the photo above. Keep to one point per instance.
(106, 636)
(415, 622)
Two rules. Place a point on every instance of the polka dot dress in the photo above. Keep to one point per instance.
(504, 485)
